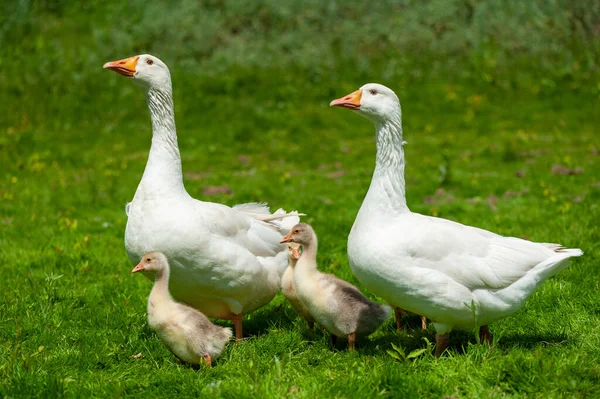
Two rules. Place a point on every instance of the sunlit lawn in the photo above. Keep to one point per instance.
(72, 316)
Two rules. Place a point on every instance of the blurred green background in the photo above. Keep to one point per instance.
(54, 49)
(500, 103)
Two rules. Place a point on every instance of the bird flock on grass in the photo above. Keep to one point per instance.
(212, 260)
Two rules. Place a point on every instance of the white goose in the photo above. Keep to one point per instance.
(224, 261)
(458, 276)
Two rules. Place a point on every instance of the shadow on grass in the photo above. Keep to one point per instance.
(531, 341)
(259, 323)
(282, 317)
(409, 339)
(412, 337)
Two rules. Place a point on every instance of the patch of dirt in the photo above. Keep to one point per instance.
(563, 170)
(210, 191)
(511, 194)
(337, 174)
(440, 197)
(244, 159)
(197, 175)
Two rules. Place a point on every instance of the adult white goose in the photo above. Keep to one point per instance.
(224, 261)
(458, 276)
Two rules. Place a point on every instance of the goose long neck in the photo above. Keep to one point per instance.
(160, 290)
(308, 259)
(388, 184)
(163, 174)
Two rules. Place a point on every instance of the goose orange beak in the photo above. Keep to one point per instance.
(287, 238)
(125, 67)
(138, 268)
(351, 101)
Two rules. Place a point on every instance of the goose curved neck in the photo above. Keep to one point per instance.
(309, 252)
(388, 187)
(160, 290)
(163, 174)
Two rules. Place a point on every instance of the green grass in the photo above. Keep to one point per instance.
(72, 315)
(73, 144)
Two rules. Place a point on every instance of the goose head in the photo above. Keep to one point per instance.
(301, 234)
(144, 69)
(151, 262)
(373, 101)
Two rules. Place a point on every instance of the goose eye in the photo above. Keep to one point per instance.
(373, 91)
(149, 62)
(296, 231)
(148, 260)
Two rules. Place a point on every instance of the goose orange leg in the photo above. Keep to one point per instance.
(237, 323)
(441, 343)
(398, 315)
(424, 322)
(208, 360)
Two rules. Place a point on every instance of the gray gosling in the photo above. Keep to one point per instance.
(289, 289)
(186, 332)
(335, 304)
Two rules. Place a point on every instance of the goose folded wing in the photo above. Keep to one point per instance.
(475, 258)
(244, 228)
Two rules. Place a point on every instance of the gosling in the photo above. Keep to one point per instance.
(186, 332)
(335, 304)
(289, 289)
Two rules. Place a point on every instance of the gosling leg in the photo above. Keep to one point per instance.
(333, 340)
(351, 340)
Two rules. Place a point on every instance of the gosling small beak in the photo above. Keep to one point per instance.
(351, 101)
(125, 67)
(296, 253)
(138, 268)
(287, 238)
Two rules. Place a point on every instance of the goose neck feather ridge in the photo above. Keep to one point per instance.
(163, 174)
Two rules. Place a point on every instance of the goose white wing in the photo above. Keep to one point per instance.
(474, 258)
(251, 226)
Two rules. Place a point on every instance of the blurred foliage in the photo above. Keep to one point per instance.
(524, 43)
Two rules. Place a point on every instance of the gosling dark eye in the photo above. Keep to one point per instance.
(373, 91)
(148, 260)
(149, 62)
(296, 231)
